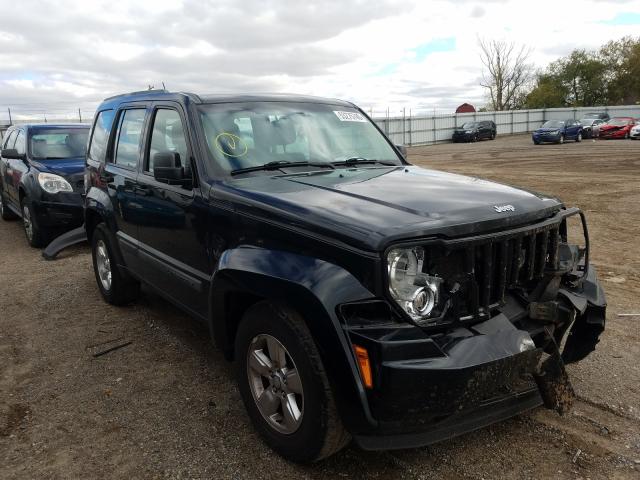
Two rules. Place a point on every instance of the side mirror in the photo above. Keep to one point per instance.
(403, 150)
(167, 167)
(13, 153)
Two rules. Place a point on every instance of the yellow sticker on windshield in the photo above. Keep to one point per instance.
(230, 145)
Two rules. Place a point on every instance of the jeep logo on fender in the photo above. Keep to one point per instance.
(504, 208)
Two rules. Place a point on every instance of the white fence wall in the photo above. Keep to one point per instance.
(426, 130)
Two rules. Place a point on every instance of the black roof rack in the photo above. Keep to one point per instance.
(138, 92)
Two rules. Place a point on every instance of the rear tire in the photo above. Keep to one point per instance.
(116, 288)
(5, 212)
(37, 237)
(493, 135)
(271, 343)
(626, 136)
(579, 137)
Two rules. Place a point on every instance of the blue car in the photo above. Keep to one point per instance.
(557, 131)
(42, 178)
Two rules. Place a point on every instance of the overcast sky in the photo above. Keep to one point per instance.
(59, 55)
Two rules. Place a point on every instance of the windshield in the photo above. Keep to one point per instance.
(244, 135)
(470, 125)
(57, 143)
(553, 124)
(588, 121)
(618, 122)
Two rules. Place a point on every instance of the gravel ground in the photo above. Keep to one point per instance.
(166, 406)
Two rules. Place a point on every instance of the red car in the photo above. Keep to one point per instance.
(617, 127)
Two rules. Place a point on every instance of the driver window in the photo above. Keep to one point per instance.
(168, 136)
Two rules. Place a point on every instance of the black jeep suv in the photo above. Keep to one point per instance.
(359, 296)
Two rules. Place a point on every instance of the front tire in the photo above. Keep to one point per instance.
(115, 287)
(561, 140)
(284, 386)
(37, 237)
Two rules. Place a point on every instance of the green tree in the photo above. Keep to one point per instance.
(622, 58)
(548, 92)
(584, 77)
(610, 76)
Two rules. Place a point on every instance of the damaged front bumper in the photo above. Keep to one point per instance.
(433, 384)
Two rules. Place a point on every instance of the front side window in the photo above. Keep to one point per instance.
(100, 136)
(48, 144)
(242, 135)
(128, 140)
(168, 136)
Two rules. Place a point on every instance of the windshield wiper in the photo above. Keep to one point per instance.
(278, 164)
(361, 160)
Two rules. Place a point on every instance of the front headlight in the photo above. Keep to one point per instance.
(468, 131)
(555, 132)
(51, 183)
(416, 292)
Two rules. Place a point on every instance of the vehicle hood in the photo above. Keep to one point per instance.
(607, 127)
(547, 130)
(64, 167)
(372, 207)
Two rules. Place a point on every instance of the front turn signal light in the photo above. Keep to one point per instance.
(365, 365)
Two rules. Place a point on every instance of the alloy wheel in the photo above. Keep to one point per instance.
(27, 222)
(275, 384)
(103, 262)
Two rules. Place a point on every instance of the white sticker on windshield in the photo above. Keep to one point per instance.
(350, 116)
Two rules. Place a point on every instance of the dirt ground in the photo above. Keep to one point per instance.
(166, 406)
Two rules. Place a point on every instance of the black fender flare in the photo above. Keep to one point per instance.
(314, 288)
(98, 205)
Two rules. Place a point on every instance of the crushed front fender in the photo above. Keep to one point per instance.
(589, 300)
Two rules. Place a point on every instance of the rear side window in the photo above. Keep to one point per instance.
(21, 144)
(100, 136)
(129, 134)
(168, 136)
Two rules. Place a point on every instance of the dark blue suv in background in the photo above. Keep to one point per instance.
(359, 296)
(42, 178)
(557, 131)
